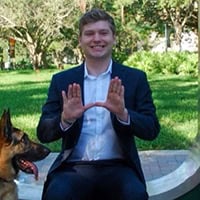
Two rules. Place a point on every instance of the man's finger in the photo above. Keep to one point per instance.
(74, 90)
(70, 92)
(115, 85)
(102, 104)
(89, 105)
(110, 89)
(78, 92)
(64, 96)
(121, 94)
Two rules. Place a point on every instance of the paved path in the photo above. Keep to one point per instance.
(154, 163)
(159, 163)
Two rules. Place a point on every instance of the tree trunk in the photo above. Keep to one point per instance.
(178, 35)
(36, 61)
(122, 14)
(35, 54)
(82, 5)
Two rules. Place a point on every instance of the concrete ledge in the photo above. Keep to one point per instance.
(177, 183)
(29, 192)
(168, 187)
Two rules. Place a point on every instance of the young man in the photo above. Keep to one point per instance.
(97, 109)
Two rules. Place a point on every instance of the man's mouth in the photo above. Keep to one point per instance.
(98, 47)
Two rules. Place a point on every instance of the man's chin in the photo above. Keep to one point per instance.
(99, 56)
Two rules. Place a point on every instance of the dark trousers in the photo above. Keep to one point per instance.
(94, 181)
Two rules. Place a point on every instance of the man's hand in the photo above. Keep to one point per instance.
(115, 100)
(72, 104)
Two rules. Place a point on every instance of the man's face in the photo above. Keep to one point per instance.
(97, 40)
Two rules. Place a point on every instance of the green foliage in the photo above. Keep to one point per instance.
(175, 97)
(23, 64)
(24, 92)
(37, 25)
(165, 63)
(174, 3)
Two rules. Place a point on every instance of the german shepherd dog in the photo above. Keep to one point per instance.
(17, 152)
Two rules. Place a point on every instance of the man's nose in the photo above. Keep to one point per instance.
(97, 37)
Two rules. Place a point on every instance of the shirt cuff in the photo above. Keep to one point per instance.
(65, 128)
(123, 122)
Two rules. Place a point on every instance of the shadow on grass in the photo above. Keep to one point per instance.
(168, 138)
(175, 99)
(23, 98)
(177, 96)
(176, 103)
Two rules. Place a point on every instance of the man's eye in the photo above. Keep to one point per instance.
(88, 33)
(104, 33)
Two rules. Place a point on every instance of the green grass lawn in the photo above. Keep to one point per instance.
(175, 97)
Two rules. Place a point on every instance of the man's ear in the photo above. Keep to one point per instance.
(115, 41)
(79, 41)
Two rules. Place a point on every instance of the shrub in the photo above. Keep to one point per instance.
(23, 64)
(165, 63)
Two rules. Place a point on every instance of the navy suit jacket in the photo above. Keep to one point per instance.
(138, 101)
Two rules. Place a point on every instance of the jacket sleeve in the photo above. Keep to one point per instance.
(143, 119)
(48, 128)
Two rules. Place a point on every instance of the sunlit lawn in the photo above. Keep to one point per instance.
(24, 92)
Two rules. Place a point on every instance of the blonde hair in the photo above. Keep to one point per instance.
(95, 15)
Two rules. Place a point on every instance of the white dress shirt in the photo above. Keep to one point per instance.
(98, 139)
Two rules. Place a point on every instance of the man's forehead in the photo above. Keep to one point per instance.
(97, 25)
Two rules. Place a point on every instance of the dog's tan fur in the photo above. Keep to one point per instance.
(14, 142)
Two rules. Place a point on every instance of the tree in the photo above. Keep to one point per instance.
(120, 5)
(178, 13)
(36, 23)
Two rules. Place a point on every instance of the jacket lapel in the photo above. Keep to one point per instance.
(79, 78)
(118, 70)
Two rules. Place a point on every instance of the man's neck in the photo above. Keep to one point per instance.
(96, 67)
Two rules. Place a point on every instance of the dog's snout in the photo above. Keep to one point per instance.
(37, 152)
(46, 151)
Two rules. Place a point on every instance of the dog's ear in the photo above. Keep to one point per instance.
(9, 118)
(6, 125)
(2, 123)
(1, 126)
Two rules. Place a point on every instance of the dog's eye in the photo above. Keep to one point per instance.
(22, 140)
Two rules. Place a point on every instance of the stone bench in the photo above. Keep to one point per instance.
(168, 187)
(179, 182)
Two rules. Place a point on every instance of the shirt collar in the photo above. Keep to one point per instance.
(109, 70)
